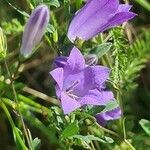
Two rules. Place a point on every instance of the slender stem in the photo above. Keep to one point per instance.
(130, 146)
(17, 104)
(92, 146)
(13, 126)
(108, 131)
(116, 135)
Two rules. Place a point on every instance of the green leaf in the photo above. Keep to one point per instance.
(52, 2)
(95, 110)
(88, 138)
(36, 144)
(144, 3)
(103, 49)
(70, 130)
(109, 140)
(78, 4)
(145, 124)
(110, 106)
(50, 28)
(19, 11)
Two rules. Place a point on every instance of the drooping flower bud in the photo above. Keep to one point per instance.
(96, 16)
(3, 44)
(34, 29)
(91, 59)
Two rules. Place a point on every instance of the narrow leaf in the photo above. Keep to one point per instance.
(145, 124)
(110, 106)
(102, 49)
(70, 130)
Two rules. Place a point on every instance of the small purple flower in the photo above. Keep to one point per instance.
(34, 29)
(97, 16)
(78, 84)
(103, 117)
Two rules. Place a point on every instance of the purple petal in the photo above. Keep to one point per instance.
(101, 120)
(72, 79)
(99, 75)
(124, 8)
(34, 29)
(88, 21)
(75, 61)
(68, 104)
(95, 97)
(92, 77)
(58, 76)
(114, 114)
(119, 18)
(58, 91)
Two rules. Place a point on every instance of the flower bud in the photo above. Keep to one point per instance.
(91, 59)
(3, 44)
(34, 29)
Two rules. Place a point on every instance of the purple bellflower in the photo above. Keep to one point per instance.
(97, 16)
(34, 29)
(103, 117)
(78, 84)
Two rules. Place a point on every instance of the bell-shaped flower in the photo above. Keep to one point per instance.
(103, 117)
(78, 84)
(34, 29)
(97, 16)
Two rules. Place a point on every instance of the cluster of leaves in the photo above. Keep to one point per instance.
(129, 59)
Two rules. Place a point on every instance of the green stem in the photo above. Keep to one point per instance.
(13, 126)
(22, 105)
(129, 145)
(18, 109)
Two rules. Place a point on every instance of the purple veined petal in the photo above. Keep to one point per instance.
(68, 104)
(79, 82)
(75, 61)
(34, 29)
(114, 114)
(99, 74)
(58, 91)
(120, 18)
(92, 77)
(74, 81)
(94, 14)
(101, 120)
(124, 8)
(117, 19)
(58, 76)
(60, 61)
(95, 97)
